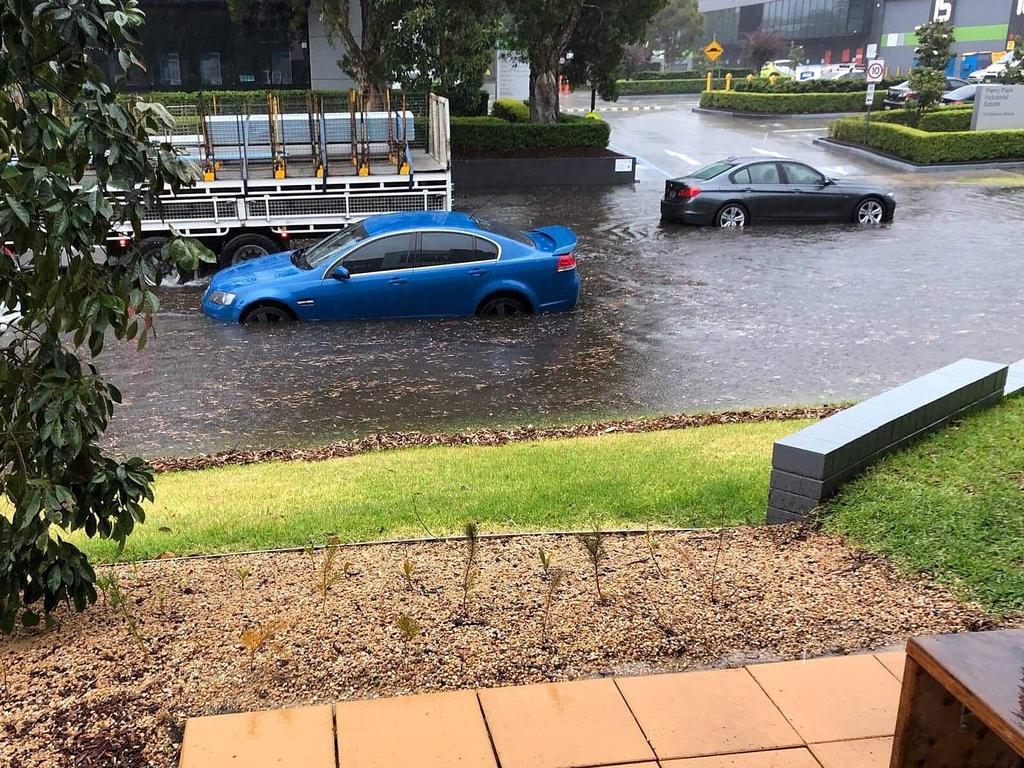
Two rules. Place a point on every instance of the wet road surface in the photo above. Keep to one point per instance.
(670, 318)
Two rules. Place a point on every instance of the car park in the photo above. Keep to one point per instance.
(991, 73)
(739, 191)
(414, 264)
(898, 96)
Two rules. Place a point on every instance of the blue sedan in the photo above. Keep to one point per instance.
(421, 264)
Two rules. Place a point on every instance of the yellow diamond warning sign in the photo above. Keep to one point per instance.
(714, 50)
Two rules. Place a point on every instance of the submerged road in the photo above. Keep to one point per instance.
(670, 319)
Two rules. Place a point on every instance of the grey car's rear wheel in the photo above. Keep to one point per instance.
(870, 211)
(503, 306)
(267, 314)
(732, 215)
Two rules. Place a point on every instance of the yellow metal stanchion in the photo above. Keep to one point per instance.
(709, 83)
(728, 81)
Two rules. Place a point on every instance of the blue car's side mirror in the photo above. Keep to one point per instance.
(340, 273)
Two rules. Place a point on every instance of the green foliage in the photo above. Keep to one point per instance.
(692, 75)
(593, 545)
(512, 110)
(949, 506)
(470, 570)
(928, 85)
(650, 87)
(74, 144)
(1014, 72)
(924, 148)
(762, 45)
(957, 118)
(934, 46)
(493, 136)
(786, 85)
(600, 38)
(676, 29)
(787, 103)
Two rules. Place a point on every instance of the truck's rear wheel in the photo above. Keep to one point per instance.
(246, 248)
(169, 274)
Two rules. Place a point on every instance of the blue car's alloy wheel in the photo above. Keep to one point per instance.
(267, 314)
(503, 306)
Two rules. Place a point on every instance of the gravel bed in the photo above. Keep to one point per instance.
(92, 692)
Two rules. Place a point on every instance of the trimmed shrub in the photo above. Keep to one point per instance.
(763, 85)
(692, 75)
(494, 136)
(943, 119)
(662, 87)
(925, 148)
(512, 110)
(787, 103)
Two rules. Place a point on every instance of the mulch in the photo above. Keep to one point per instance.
(258, 631)
(385, 441)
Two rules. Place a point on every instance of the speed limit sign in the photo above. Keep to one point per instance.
(875, 71)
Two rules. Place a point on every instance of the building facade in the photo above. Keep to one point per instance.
(833, 31)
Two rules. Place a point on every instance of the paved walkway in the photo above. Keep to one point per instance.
(823, 713)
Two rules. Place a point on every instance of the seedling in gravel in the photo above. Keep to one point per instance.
(554, 581)
(408, 626)
(593, 543)
(710, 580)
(110, 586)
(652, 547)
(254, 638)
(545, 561)
(329, 574)
(243, 573)
(408, 569)
(470, 571)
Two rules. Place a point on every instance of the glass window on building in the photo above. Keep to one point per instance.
(209, 69)
(170, 69)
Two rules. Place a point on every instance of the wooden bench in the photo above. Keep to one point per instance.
(962, 702)
(810, 465)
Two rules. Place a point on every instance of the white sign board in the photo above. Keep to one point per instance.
(998, 107)
(875, 71)
(870, 98)
(872, 51)
(512, 78)
(623, 164)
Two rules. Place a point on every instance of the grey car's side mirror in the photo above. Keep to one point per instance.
(340, 273)
(827, 182)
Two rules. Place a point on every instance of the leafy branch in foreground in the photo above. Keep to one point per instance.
(75, 165)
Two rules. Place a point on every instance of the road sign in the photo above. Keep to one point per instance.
(870, 98)
(875, 71)
(714, 50)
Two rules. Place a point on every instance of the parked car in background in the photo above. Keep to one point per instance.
(416, 264)
(8, 327)
(738, 191)
(963, 95)
(897, 96)
(991, 73)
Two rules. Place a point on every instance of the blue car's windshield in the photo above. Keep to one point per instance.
(332, 246)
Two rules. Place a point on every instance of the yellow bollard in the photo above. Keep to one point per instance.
(728, 81)
(709, 82)
(750, 78)
(772, 79)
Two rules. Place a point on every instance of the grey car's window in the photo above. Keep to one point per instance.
(710, 171)
(382, 255)
(801, 174)
(741, 176)
(765, 173)
(438, 248)
(485, 250)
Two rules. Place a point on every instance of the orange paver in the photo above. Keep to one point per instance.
(281, 738)
(834, 699)
(776, 758)
(563, 725)
(861, 753)
(706, 713)
(894, 661)
(438, 730)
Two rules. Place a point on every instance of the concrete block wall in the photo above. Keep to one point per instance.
(810, 465)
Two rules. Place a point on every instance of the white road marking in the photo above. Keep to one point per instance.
(802, 130)
(767, 152)
(681, 156)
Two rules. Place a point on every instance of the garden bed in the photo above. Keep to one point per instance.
(113, 687)
(787, 103)
(923, 147)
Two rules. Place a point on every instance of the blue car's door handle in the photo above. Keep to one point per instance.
(396, 281)
(477, 272)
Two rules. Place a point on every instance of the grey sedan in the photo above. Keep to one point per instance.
(738, 191)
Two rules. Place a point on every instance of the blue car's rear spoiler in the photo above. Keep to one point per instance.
(556, 239)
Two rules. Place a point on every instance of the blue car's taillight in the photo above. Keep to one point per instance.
(566, 262)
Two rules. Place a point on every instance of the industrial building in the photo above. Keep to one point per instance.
(834, 31)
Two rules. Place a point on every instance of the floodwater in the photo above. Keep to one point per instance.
(670, 319)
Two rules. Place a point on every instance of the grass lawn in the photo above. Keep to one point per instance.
(704, 476)
(951, 506)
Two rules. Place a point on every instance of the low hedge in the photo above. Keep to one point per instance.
(663, 87)
(494, 136)
(512, 110)
(925, 148)
(787, 103)
(939, 120)
(692, 75)
(763, 85)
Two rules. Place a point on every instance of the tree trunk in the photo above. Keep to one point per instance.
(543, 89)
